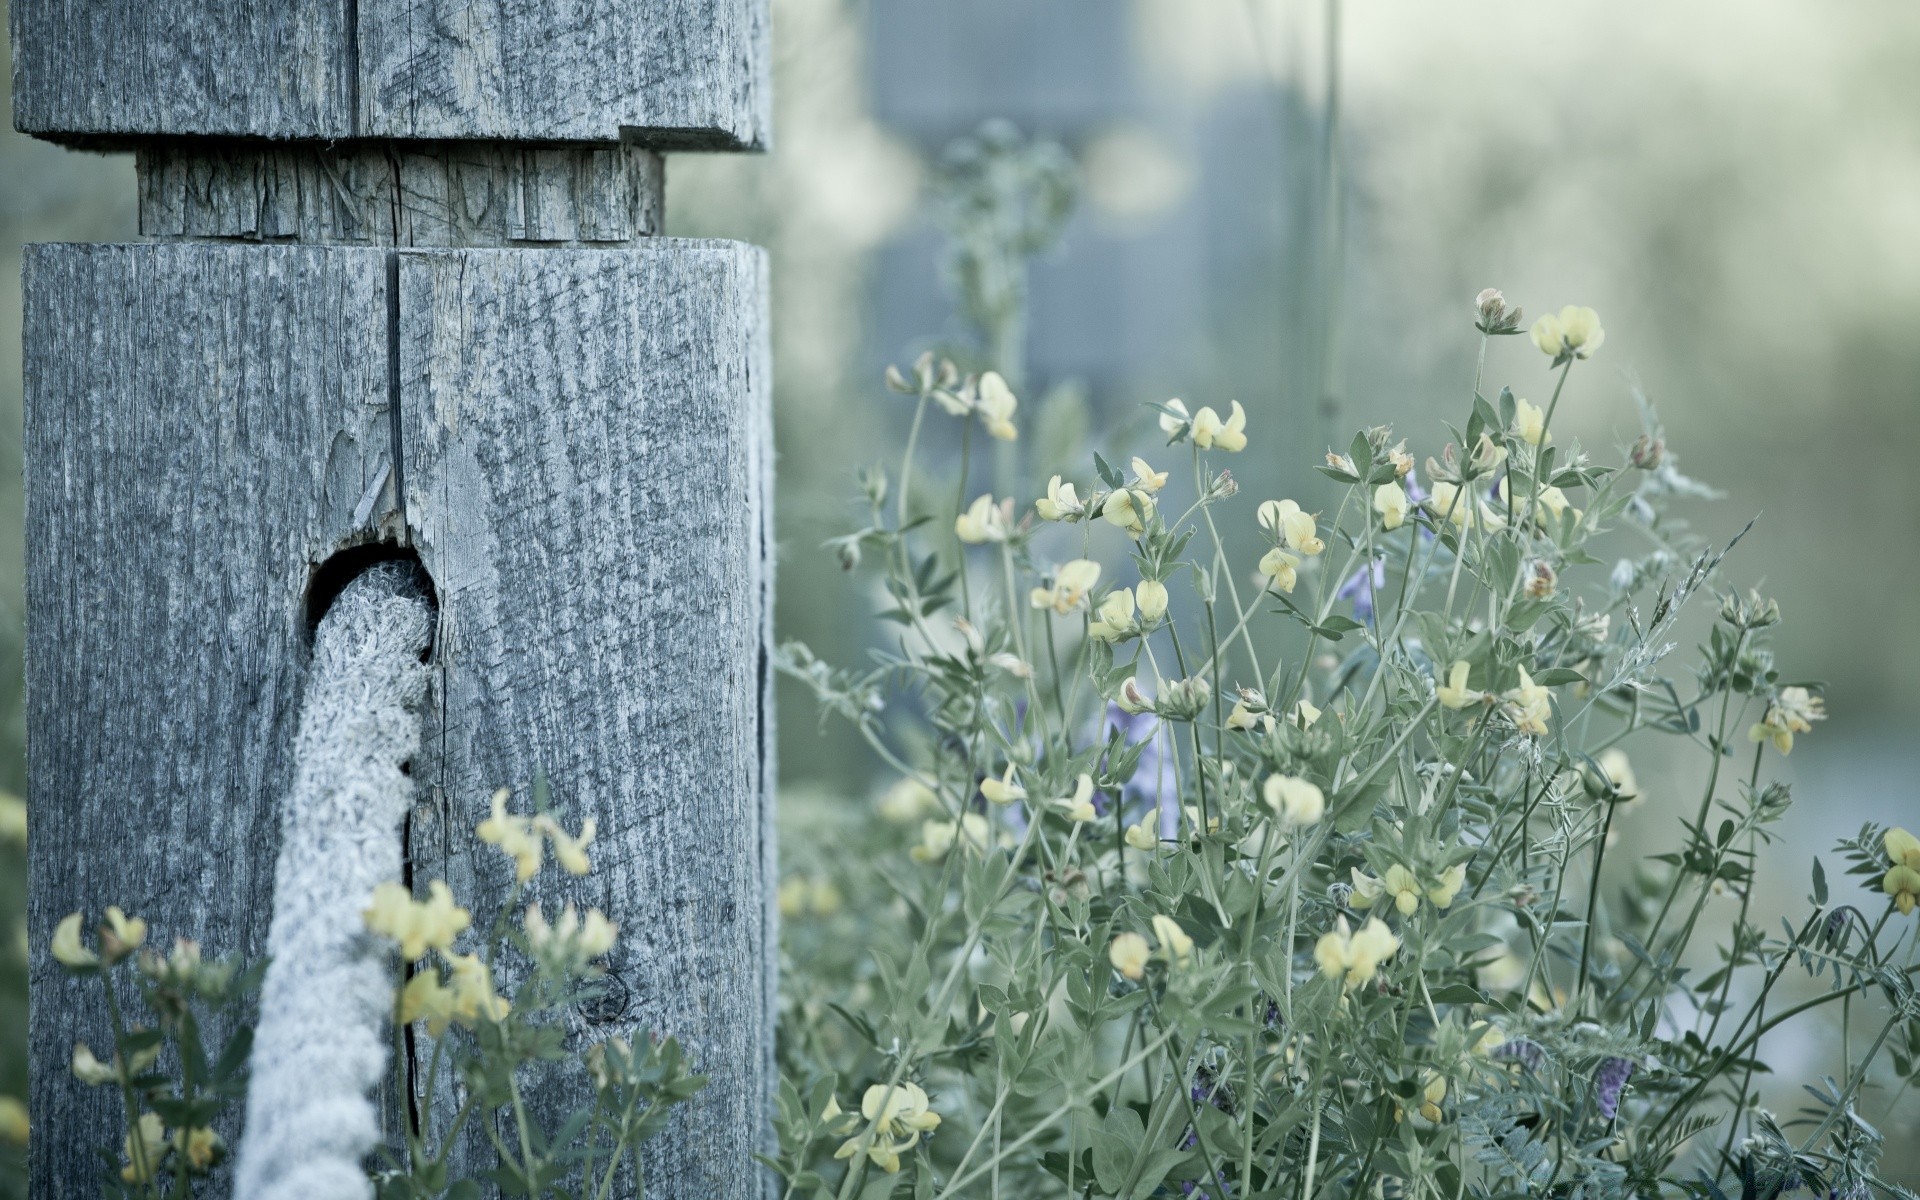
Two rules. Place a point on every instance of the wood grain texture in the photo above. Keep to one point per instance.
(202, 422)
(672, 74)
(399, 193)
(261, 68)
(586, 443)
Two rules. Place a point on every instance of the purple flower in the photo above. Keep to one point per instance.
(1524, 1051)
(1608, 1083)
(1360, 588)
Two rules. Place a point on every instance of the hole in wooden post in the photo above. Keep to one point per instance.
(328, 579)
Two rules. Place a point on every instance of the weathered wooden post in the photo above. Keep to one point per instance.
(401, 289)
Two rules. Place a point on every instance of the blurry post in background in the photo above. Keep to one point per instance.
(400, 297)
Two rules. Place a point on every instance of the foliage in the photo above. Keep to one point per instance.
(1266, 878)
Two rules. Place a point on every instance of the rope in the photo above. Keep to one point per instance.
(318, 1049)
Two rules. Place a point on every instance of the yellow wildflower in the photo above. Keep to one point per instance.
(1129, 953)
(121, 935)
(1143, 835)
(1151, 595)
(938, 838)
(1172, 421)
(1175, 946)
(1431, 1095)
(470, 985)
(426, 998)
(996, 406)
(581, 939)
(13, 819)
(1455, 693)
(1071, 583)
(1303, 714)
(1061, 502)
(1402, 887)
(1574, 330)
(1297, 801)
(1352, 957)
(1390, 501)
(1241, 718)
(1528, 705)
(1128, 508)
(1079, 806)
(1619, 772)
(1792, 711)
(1003, 790)
(1491, 1038)
(1451, 879)
(145, 1145)
(202, 1147)
(1280, 568)
(907, 801)
(15, 1129)
(89, 1069)
(1456, 504)
(1210, 431)
(984, 521)
(66, 946)
(1145, 477)
(791, 899)
(1295, 528)
(1902, 880)
(899, 1115)
(1131, 698)
(418, 926)
(569, 851)
(1530, 422)
(1115, 618)
(516, 836)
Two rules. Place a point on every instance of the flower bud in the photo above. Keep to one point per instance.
(1647, 453)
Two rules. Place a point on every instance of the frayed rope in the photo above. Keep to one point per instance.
(318, 1049)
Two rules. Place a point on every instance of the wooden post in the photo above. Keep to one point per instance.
(402, 285)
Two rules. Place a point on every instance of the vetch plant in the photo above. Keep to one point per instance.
(1286, 873)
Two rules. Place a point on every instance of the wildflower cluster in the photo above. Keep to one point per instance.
(1243, 851)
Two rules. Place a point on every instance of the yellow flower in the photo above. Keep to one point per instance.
(1793, 711)
(14, 1126)
(1619, 772)
(1003, 790)
(1455, 693)
(1390, 501)
(570, 936)
(570, 851)
(1296, 529)
(516, 836)
(1574, 331)
(425, 998)
(1175, 946)
(1430, 1097)
(1297, 801)
(907, 801)
(1210, 431)
(984, 521)
(66, 946)
(1355, 957)
(1304, 714)
(1241, 718)
(899, 1115)
(121, 935)
(1071, 583)
(1131, 698)
(1490, 1039)
(202, 1147)
(937, 838)
(1400, 886)
(1530, 422)
(791, 899)
(996, 406)
(1151, 595)
(1145, 477)
(1529, 706)
(1079, 806)
(1115, 620)
(1129, 953)
(470, 984)
(1902, 881)
(13, 819)
(1143, 836)
(1451, 879)
(145, 1145)
(418, 926)
(1061, 503)
(1454, 503)
(1171, 422)
(90, 1070)
(1280, 568)
(1129, 509)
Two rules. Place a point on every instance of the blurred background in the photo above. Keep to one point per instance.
(1292, 206)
